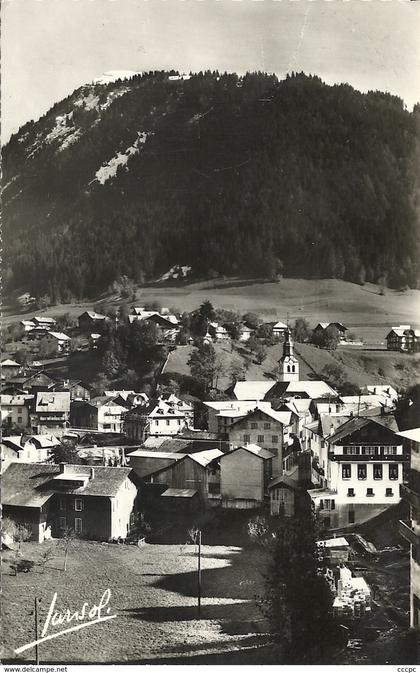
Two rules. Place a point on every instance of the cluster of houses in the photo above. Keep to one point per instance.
(281, 444)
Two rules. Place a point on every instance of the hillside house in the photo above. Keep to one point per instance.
(76, 389)
(158, 418)
(15, 410)
(33, 382)
(245, 332)
(363, 473)
(244, 476)
(58, 342)
(27, 449)
(101, 413)
(280, 329)
(27, 325)
(90, 320)
(93, 502)
(266, 428)
(51, 413)
(222, 413)
(198, 472)
(45, 322)
(10, 368)
(218, 332)
(321, 327)
(403, 338)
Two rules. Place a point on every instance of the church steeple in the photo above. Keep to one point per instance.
(289, 365)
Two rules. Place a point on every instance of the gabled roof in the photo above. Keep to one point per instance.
(205, 457)
(60, 336)
(252, 390)
(32, 484)
(52, 401)
(284, 480)
(50, 321)
(179, 493)
(280, 325)
(10, 363)
(251, 448)
(93, 315)
(357, 423)
(282, 417)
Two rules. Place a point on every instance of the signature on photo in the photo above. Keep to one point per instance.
(88, 615)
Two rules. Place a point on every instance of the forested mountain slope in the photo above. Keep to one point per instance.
(248, 175)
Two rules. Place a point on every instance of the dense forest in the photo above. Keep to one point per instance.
(235, 175)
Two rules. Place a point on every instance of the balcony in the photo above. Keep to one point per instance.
(408, 533)
(410, 495)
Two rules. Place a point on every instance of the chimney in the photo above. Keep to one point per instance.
(92, 473)
(62, 468)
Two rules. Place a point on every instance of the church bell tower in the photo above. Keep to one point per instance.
(289, 365)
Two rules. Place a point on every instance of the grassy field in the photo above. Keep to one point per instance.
(360, 366)
(153, 595)
(362, 308)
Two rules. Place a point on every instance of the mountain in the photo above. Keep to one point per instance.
(246, 175)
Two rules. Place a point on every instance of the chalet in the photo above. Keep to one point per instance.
(27, 325)
(101, 413)
(34, 382)
(403, 338)
(15, 410)
(363, 473)
(222, 413)
(198, 472)
(180, 405)
(245, 332)
(93, 502)
(266, 428)
(321, 327)
(76, 389)
(44, 321)
(280, 329)
(27, 449)
(218, 332)
(10, 368)
(58, 342)
(244, 476)
(51, 413)
(90, 320)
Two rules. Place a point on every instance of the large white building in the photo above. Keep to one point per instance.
(411, 529)
(363, 472)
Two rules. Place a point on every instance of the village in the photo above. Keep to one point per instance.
(133, 467)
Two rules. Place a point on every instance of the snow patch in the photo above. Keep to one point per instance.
(113, 75)
(89, 102)
(113, 96)
(109, 170)
(64, 132)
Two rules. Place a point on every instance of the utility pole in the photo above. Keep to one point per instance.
(199, 574)
(36, 632)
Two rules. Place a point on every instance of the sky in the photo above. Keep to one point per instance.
(51, 47)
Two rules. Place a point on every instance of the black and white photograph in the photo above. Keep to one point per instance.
(210, 366)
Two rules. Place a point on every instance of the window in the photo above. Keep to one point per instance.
(275, 439)
(19, 420)
(247, 438)
(361, 471)
(390, 450)
(78, 504)
(157, 422)
(267, 426)
(393, 471)
(63, 524)
(329, 504)
(62, 504)
(327, 521)
(346, 471)
(377, 471)
(388, 492)
(369, 492)
(351, 517)
(167, 422)
(350, 492)
(350, 450)
(78, 526)
(179, 422)
(254, 426)
(260, 439)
